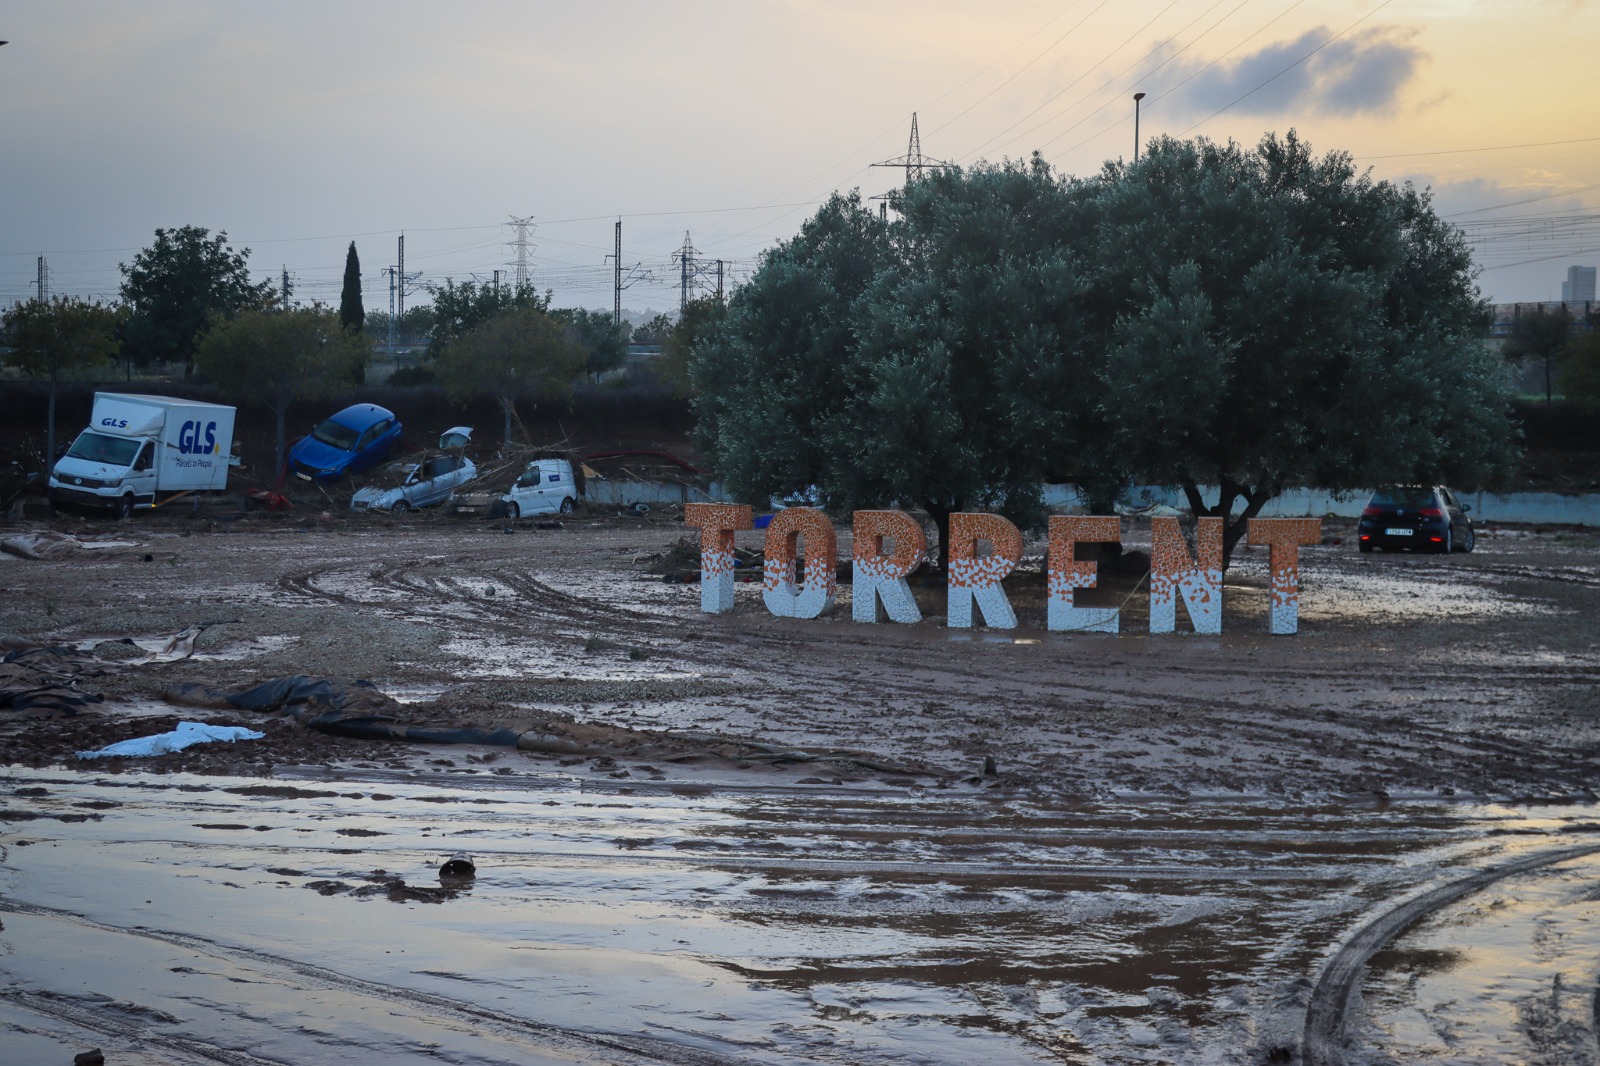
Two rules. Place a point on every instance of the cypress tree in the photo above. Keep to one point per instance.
(351, 314)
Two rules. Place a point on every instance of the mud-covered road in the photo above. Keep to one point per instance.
(776, 840)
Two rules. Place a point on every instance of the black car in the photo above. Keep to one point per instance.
(1417, 517)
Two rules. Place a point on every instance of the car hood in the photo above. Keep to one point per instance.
(374, 496)
(70, 467)
(311, 452)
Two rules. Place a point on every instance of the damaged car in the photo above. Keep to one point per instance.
(425, 483)
(355, 439)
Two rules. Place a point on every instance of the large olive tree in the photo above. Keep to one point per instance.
(1249, 320)
(1274, 320)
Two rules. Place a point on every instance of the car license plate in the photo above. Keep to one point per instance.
(1397, 532)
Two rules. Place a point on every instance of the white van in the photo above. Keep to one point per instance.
(546, 486)
(139, 446)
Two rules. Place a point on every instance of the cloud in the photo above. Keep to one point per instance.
(1363, 73)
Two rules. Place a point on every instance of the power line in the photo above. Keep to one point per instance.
(1489, 148)
(1146, 74)
(1519, 203)
(1291, 66)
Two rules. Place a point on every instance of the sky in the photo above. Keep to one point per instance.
(297, 128)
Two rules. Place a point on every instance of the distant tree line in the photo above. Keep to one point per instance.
(187, 301)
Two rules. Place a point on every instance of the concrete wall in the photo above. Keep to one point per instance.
(1538, 508)
(1548, 508)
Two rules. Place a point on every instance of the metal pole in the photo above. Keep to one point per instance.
(1136, 98)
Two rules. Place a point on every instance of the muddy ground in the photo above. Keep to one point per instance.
(742, 838)
(1470, 675)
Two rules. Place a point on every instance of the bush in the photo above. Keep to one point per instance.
(411, 376)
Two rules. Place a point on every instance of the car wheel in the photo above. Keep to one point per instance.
(566, 505)
(513, 512)
(125, 507)
(1447, 547)
(1468, 540)
(400, 507)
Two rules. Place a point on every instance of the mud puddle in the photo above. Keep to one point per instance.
(1506, 975)
(703, 918)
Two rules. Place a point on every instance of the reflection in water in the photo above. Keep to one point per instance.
(620, 921)
(1506, 975)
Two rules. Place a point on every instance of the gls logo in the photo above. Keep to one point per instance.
(115, 423)
(190, 441)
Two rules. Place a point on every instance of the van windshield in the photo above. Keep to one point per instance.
(99, 448)
(334, 435)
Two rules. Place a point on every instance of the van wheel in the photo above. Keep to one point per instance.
(125, 508)
(513, 512)
(566, 505)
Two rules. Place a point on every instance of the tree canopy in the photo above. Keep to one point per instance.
(1274, 320)
(277, 357)
(604, 342)
(1580, 368)
(175, 287)
(48, 337)
(459, 309)
(1539, 335)
(1248, 320)
(700, 318)
(520, 352)
(352, 315)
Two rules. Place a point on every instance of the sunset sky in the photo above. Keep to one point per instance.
(298, 127)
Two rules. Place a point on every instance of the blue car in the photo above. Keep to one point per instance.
(356, 438)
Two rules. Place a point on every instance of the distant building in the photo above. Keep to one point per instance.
(1579, 286)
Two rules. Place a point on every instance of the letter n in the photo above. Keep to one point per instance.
(1175, 572)
(717, 523)
(876, 577)
(816, 590)
(975, 578)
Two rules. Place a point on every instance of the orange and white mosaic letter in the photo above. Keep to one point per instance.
(717, 523)
(1285, 535)
(975, 578)
(1175, 572)
(877, 578)
(1065, 574)
(816, 590)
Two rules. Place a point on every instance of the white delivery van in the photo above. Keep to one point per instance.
(547, 486)
(138, 448)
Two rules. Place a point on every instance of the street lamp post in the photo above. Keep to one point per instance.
(1136, 98)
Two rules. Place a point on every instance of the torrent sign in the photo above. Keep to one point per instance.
(802, 557)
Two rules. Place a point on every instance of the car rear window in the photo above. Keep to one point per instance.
(1403, 497)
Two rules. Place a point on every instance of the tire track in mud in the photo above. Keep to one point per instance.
(66, 1011)
(1091, 694)
(1322, 1043)
(1582, 576)
(530, 599)
(538, 1036)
